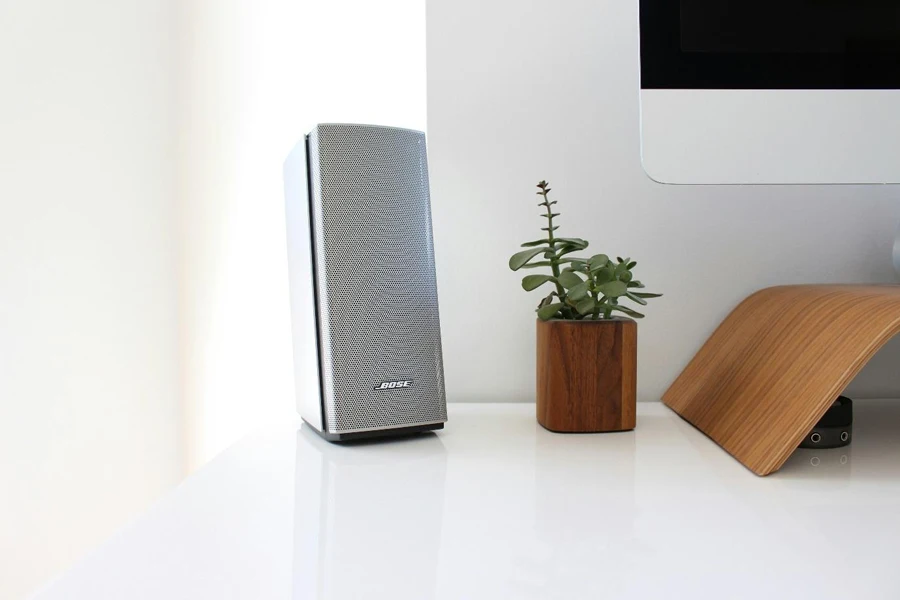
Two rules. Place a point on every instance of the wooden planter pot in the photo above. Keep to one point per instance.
(587, 375)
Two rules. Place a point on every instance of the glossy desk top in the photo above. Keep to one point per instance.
(496, 507)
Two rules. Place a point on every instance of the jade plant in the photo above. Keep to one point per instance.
(583, 288)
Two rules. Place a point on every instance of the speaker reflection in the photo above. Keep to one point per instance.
(368, 517)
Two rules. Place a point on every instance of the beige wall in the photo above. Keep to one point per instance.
(89, 408)
(144, 318)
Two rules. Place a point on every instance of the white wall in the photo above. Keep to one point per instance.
(521, 90)
(255, 76)
(89, 406)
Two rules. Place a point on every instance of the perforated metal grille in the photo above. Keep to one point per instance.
(375, 262)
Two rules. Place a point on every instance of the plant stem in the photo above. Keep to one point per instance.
(596, 306)
(554, 260)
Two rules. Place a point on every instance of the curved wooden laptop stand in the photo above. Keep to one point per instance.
(775, 365)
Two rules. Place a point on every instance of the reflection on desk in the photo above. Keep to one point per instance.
(378, 505)
(496, 507)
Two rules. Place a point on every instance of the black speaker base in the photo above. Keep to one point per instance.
(377, 433)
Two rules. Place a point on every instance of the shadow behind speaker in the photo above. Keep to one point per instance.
(364, 308)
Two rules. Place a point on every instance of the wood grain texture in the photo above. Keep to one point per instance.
(775, 365)
(587, 375)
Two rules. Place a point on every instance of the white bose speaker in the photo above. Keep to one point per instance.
(364, 305)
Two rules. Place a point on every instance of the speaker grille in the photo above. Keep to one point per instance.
(378, 307)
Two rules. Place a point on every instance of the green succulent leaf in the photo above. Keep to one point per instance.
(547, 300)
(635, 284)
(626, 276)
(585, 306)
(567, 250)
(579, 291)
(635, 298)
(554, 228)
(628, 311)
(569, 279)
(613, 289)
(539, 263)
(576, 243)
(578, 265)
(573, 259)
(645, 295)
(532, 282)
(603, 276)
(535, 243)
(632, 265)
(620, 269)
(598, 261)
(549, 311)
(518, 260)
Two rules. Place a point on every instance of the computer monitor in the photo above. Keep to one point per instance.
(770, 91)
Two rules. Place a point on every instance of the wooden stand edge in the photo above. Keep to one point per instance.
(775, 365)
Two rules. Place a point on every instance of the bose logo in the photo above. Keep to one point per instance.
(392, 385)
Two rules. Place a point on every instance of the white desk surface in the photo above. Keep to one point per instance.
(496, 507)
